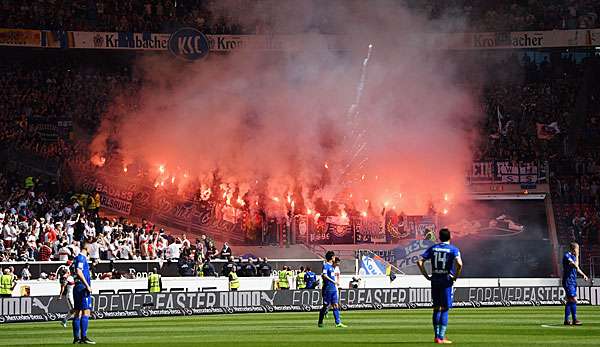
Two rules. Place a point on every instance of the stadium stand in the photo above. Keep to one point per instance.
(74, 90)
(165, 15)
(509, 130)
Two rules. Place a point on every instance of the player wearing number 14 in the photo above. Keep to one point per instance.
(446, 267)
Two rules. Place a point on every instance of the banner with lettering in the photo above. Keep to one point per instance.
(369, 229)
(408, 255)
(372, 265)
(227, 43)
(129, 305)
(115, 195)
(340, 230)
(112, 40)
(510, 172)
(20, 37)
(516, 39)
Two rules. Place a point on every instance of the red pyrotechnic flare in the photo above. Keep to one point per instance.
(326, 166)
(98, 160)
(363, 213)
(344, 215)
(309, 211)
(172, 179)
(446, 198)
(124, 168)
(445, 211)
(276, 199)
(161, 169)
(317, 215)
(205, 195)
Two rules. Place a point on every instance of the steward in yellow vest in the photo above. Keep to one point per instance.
(234, 281)
(29, 182)
(7, 284)
(154, 282)
(300, 283)
(284, 282)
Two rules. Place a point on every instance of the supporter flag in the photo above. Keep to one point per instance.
(230, 214)
(408, 254)
(500, 117)
(502, 128)
(547, 131)
(373, 265)
(339, 229)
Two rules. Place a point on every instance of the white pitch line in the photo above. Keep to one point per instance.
(551, 326)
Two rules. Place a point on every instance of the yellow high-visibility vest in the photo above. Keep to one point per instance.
(6, 284)
(300, 284)
(29, 182)
(234, 281)
(283, 279)
(154, 280)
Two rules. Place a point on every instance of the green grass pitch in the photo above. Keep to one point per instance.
(513, 326)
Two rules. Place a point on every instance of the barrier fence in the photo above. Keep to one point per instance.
(49, 308)
(141, 268)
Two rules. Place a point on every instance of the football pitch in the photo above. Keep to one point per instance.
(512, 326)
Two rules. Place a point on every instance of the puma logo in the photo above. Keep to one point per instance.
(38, 303)
(265, 296)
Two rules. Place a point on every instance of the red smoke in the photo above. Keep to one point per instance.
(279, 124)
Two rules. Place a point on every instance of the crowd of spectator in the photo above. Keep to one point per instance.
(228, 17)
(531, 96)
(37, 225)
(510, 15)
(116, 15)
(39, 107)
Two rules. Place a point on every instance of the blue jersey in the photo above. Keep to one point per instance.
(442, 256)
(80, 262)
(310, 279)
(569, 271)
(329, 286)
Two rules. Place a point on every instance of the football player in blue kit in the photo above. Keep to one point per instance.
(330, 292)
(82, 297)
(569, 282)
(446, 267)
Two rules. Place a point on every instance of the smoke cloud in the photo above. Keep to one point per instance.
(300, 124)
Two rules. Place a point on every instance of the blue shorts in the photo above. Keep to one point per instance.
(442, 295)
(570, 290)
(330, 297)
(82, 299)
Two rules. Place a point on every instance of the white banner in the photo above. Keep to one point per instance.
(226, 43)
(505, 172)
(107, 40)
(516, 39)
